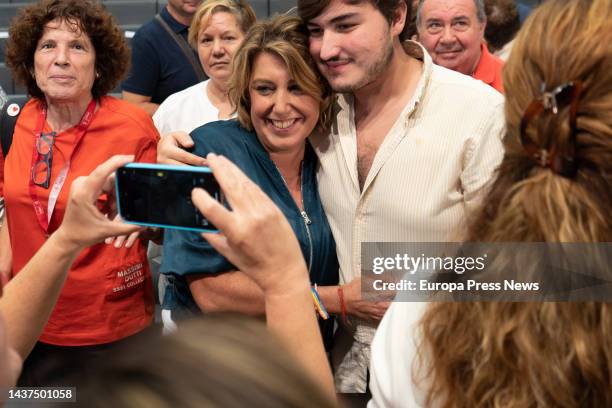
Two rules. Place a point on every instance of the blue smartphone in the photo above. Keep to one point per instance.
(158, 195)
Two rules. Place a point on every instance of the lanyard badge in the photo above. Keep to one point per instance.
(42, 158)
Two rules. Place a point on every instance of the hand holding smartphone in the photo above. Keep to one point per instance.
(157, 195)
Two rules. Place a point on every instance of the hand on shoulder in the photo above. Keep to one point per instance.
(171, 150)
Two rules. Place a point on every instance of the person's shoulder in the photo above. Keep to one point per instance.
(489, 68)
(30, 108)
(221, 135)
(148, 29)
(28, 113)
(227, 129)
(498, 63)
(176, 99)
(123, 108)
(460, 88)
(126, 113)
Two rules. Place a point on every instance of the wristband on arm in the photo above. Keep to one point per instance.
(342, 305)
(318, 304)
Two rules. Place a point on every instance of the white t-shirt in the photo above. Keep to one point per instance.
(186, 110)
(394, 351)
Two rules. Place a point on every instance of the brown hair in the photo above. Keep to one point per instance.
(88, 16)
(241, 10)
(218, 361)
(538, 354)
(309, 9)
(284, 36)
(502, 23)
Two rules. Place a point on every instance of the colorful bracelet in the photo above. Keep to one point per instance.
(318, 304)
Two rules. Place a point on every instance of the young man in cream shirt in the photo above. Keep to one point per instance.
(412, 148)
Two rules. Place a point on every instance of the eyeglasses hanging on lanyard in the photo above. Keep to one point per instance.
(42, 157)
(41, 171)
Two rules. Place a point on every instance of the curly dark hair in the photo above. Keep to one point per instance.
(91, 18)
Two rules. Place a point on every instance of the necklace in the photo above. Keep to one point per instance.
(299, 180)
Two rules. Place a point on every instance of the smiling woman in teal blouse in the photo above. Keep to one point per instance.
(281, 99)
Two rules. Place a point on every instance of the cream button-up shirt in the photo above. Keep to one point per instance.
(429, 173)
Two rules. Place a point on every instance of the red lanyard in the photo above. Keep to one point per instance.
(44, 214)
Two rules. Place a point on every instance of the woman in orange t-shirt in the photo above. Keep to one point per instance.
(69, 54)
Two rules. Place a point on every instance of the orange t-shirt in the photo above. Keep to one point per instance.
(108, 293)
(1, 178)
(489, 69)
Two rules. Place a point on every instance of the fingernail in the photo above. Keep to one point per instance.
(201, 192)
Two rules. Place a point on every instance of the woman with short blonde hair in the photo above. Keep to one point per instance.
(217, 30)
(280, 99)
(241, 10)
(287, 39)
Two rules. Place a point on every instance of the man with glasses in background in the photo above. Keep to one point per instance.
(453, 31)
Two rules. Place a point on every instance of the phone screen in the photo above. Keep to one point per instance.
(160, 196)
